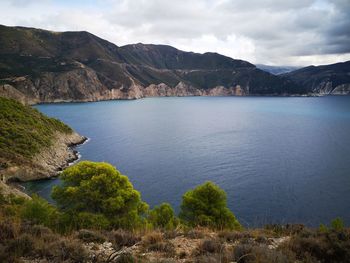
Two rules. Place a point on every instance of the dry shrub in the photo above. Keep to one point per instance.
(170, 234)
(164, 246)
(244, 253)
(194, 234)
(152, 238)
(331, 246)
(8, 230)
(288, 229)
(90, 236)
(122, 238)
(65, 249)
(40, 231)
(126, 258)
(154, 241)
(262, 240)
(207, 259)
(21, 246)
(233, 236)
(209, 246)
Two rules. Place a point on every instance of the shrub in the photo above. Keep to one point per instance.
(331, 246)
(66, 249)
(98, 188)
(206, 205)
(21, 246)
(8, 230)
(163, 216)
(163, 246)
(90, 236)
(152, 238)
(39, 211)
(232, 236)
(38, 230)
(194, 234)
(209, 246)
(337, 224)
(125, 258)
(262, 254)
(122, 238)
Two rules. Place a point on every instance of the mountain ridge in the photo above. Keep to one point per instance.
(45, 66)
(331, 79)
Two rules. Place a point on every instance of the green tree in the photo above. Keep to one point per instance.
(163, 216)
(99, 188)
(206, 205)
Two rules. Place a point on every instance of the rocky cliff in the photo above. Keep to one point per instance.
(43, 66)
(32, 145)
(331, 79)
(48, 162)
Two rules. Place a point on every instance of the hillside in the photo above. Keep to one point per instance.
(327, 79)
(32, 146)
(99, 217)
(45, 66)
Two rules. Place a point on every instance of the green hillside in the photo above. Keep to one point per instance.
(24, 130)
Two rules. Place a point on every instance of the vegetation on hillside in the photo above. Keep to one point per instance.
(100, 196)
(24, 131)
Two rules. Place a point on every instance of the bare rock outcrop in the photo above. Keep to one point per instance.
(47, 163)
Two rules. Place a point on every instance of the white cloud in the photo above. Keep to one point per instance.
(298, 32)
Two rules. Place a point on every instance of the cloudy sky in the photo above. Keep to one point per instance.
(275, 32)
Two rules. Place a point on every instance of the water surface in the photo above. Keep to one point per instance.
(280, 159)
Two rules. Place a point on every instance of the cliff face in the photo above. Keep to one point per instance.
(48, 162)
(40, 147)
(44, 66)
(331, 79)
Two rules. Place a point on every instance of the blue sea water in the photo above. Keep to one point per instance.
(280, 159)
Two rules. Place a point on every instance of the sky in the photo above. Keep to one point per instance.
(272, 32)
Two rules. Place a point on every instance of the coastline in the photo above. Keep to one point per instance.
(69, 162)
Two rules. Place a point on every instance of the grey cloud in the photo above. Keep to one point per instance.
(277, 30)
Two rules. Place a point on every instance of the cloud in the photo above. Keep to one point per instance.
(298, 32)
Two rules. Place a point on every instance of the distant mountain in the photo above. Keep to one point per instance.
(327, 79)
(276, 70)
(44, 66)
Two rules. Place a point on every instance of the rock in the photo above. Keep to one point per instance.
(49, 162)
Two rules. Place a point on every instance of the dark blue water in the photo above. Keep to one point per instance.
(279, 159)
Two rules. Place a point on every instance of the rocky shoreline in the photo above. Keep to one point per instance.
(49, 162)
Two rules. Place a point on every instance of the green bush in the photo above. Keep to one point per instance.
(163, 216)
(337, 224)
(206, 205)
(99, 188)
(39, 211)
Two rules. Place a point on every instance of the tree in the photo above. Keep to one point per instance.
(99, 188)
(163, 216)
(206, 205)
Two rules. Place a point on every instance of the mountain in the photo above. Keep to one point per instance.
(327, 79)
(276, 70)
(44, 66)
